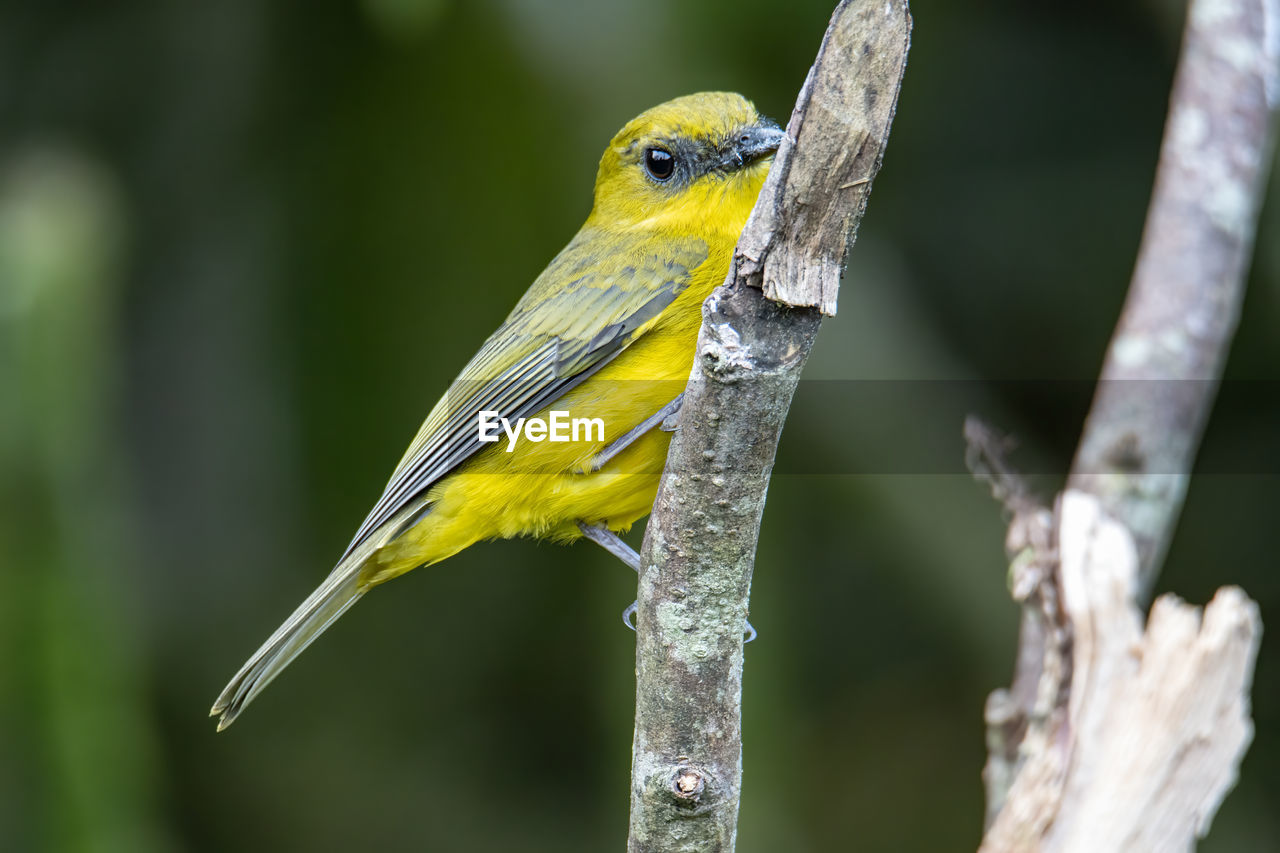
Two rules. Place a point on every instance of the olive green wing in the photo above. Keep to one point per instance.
(598, 295)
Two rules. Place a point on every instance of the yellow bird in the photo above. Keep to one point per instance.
(606, 333)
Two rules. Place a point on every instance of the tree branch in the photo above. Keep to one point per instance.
(699, 546)
(1166, 357)
(1114, 737)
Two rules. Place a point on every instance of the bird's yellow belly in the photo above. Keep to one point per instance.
(545, 488)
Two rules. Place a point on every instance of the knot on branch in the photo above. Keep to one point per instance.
(724, 355)
(688, 783)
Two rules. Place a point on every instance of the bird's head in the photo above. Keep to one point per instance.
(692, 164)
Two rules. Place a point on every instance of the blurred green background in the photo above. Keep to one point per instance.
(245, 245)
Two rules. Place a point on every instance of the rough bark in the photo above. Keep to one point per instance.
(1115, 736)
(1118, 735)
(699, 547)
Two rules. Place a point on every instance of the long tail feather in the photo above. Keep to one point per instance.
(329, 601)
(344, 586)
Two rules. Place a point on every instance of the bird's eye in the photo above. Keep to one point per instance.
(659, 163)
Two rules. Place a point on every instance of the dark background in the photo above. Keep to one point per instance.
(245, 245)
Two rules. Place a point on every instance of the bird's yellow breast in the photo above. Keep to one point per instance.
(545, 488)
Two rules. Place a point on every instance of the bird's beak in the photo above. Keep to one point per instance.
(756, 142)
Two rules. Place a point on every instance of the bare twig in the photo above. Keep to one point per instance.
(700, 543)
(1162, 368)
(1117, 737)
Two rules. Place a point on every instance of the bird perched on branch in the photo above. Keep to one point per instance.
(606, 332)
